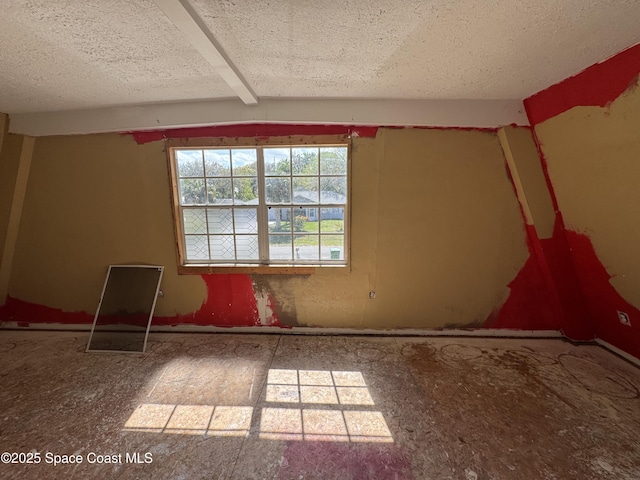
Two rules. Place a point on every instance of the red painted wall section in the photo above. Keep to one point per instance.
(231, 302)
(259, 130)
(577, 321)
(602, 299)
(266, 130)
(533, 302)
(546, 294)
(530, 305)
(598, 85)
(25, 313)
(590, 302)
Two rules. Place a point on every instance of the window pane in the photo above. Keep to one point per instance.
(332, 220)
(244, 162)
(197, 247)
(333, 160)
(192, 191)
(278, 190)
(312, 223)
(245, 190)
(247, 247)
(222, 247)
(333, 190)
(189, 163)
(305, 190)
(246, 220)
(217, 163)
(306, 247)
(194, 220)
(299, 219)
(220, 220)
(219, 191)
(277, 161)
(280, 247)
(279, 220)
(332, 247)
(304, 161)
(305, 196)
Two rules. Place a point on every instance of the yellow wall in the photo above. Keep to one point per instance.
(436, 231)
(15, 161)
(92, 201)
(9, 161)
(593, 156)
(528, 177)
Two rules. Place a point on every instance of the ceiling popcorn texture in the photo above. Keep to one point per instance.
(72, 55)
(76, 54)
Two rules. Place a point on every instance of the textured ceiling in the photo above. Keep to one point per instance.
(73, 54)
(417, 48)
(84, 54)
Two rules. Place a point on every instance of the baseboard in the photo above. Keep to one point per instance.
(405, 332)
(619, 352)
(397, 332)
(71, 327)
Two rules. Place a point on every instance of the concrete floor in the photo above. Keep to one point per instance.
(293, 407)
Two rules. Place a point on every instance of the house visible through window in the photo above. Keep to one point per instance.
(261, 205)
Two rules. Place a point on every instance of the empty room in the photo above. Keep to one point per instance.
(320, 240)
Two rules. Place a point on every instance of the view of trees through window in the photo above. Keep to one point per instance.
(263, 204)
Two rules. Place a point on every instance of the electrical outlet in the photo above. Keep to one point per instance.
(624, 318)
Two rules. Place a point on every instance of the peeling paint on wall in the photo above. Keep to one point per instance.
(280, 295)
(232, 301)
(266, 306)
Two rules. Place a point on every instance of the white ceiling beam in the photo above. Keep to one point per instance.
(185, 18)
(424, 113)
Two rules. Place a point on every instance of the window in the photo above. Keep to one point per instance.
(261, 205)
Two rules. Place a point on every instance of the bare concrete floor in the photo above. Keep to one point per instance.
(291, 407)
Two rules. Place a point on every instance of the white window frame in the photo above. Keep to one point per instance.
(264, 264)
